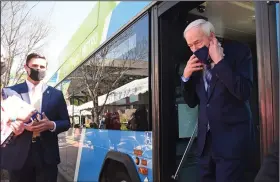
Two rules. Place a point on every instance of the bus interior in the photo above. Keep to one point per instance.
(232, 21)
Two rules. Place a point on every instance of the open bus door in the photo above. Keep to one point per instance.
(170, 138)
(174, 122)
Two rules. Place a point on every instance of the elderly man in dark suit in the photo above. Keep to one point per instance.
(33, 156)
(218, 78)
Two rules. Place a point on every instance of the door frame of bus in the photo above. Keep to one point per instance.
(267, 68)
(161, 171)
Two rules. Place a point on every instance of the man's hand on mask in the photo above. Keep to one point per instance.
(216, 52)
(192, 65)
(43, 125)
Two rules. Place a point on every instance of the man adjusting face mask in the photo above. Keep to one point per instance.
(220, 85)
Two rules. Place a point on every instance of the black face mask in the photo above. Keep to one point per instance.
(202, 54)
(37, 75)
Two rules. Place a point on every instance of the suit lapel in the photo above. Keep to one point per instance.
(214, 79)
(200, 84)
(46, 97)
(23, 91)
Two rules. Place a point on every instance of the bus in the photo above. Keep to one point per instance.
(120, 75)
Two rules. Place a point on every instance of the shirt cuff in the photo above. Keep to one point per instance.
(54, 128)
(184, 79)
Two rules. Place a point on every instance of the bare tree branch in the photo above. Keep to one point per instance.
(20, 35)
(106, 71)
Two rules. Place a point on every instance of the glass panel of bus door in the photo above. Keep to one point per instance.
(177, 120)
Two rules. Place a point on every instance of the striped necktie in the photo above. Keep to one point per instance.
(208, 76)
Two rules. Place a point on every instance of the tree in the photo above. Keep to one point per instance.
(21, 33)
(108, 70)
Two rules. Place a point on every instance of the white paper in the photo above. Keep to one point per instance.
(13, 106)
(5, 127)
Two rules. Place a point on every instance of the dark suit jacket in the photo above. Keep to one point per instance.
(14, 155)
(227, 109)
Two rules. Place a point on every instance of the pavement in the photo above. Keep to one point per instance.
(68, 149)
(60, 178)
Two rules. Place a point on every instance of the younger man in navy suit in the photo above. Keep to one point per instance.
(219, 80)
(33, 156)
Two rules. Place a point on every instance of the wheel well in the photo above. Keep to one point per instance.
(112, 164)
(121, 163)
(115, 164)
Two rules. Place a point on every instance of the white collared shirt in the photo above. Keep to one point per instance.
(37, 96)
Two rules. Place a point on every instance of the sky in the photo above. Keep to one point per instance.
(65, 17)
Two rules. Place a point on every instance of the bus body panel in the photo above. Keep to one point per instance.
(96, 143)
(83, 150)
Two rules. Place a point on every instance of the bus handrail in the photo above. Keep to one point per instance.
(187, 150)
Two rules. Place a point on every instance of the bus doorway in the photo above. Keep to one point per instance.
(232, 21)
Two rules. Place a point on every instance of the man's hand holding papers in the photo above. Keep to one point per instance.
(15, 112)
(43, 124)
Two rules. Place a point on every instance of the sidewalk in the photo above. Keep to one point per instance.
(63, 176)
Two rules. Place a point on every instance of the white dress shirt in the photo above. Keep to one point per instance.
(35, 93)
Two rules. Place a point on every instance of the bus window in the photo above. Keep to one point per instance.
(115, 82)
(108, 98)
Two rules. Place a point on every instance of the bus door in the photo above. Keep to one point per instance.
(177, 120)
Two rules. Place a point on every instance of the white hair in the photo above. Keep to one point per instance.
(206, 26)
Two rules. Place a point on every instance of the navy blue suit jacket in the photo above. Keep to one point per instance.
(14, 155)
(227, 108)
